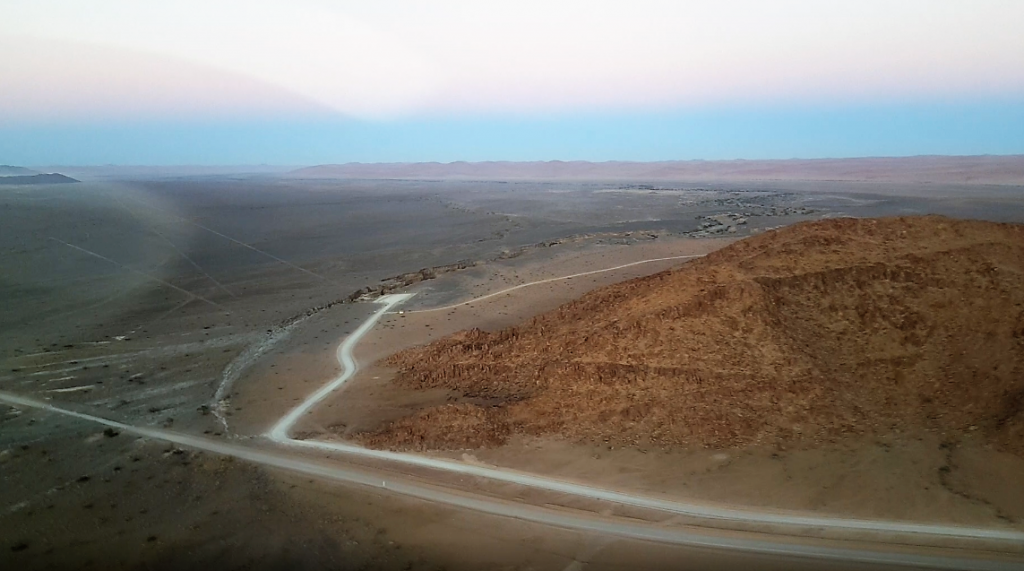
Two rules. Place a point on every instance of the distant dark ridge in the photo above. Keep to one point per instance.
(986, 169)
(9, 170)
(52, 178)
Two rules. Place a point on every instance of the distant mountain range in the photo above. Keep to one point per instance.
(939, 169)
(51, 178)
(9, 170)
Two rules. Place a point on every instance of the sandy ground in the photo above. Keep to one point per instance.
(307, 360)
(90, 500)
(122, 330)
(913, 478)
(367, 401)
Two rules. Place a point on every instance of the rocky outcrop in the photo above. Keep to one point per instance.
(394, 283)
(805, 334)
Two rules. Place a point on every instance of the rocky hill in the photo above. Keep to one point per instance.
(11, 170)
(50, 178)
(801, 335)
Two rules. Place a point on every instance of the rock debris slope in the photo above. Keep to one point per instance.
(805, 334)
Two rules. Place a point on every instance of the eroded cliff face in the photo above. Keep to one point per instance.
(804, 334)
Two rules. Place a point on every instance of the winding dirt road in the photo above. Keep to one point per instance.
(789, 523)
(576, 520)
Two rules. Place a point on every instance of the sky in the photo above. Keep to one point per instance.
(318, 81)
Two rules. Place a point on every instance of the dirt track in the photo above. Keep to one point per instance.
(151, 355)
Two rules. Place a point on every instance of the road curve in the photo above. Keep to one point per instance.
(280, 433)
(580, 521)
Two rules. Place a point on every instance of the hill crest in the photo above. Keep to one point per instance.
(50, 178)
(805, 334)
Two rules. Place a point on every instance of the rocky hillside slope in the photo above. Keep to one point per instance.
(804, 334)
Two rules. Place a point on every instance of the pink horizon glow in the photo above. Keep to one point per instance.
(63, 60)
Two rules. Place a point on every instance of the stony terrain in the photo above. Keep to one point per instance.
(165, 297)
(807, 334)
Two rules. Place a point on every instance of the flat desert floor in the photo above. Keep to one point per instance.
(212, 304)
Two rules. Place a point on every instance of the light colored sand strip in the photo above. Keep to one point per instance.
(43, 353)
(233, 371)
(153, 351)
(72, 389)
(54, 372)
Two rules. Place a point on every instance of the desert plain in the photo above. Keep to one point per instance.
(212, 303)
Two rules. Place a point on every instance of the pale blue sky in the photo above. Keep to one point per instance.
(957, 129)
(311, 81)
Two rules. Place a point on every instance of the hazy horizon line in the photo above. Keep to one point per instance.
(512, 161)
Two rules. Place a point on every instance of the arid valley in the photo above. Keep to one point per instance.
(565, 366)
